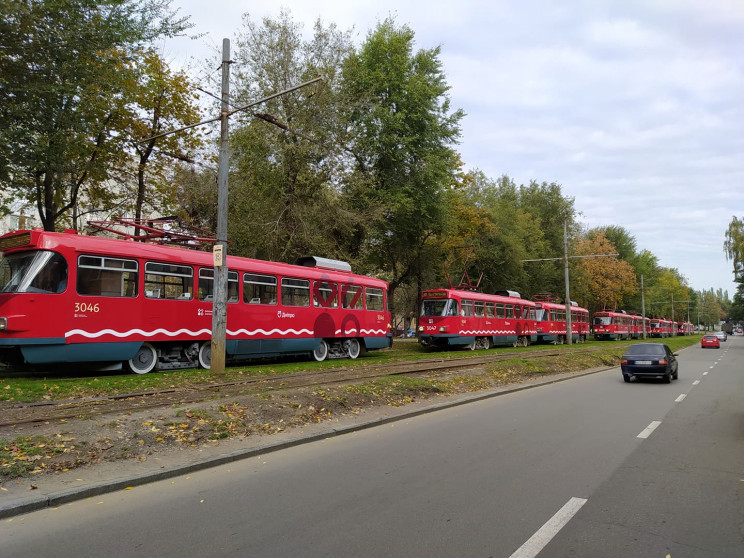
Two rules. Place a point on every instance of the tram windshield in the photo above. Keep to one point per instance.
(39, 271)
(603, 320)
(439, 307)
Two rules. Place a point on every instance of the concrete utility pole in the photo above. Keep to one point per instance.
(569, 331)
(219, 304)
(565, 258)
(643, 308)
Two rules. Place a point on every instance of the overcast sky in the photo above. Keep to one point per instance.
(636, 107)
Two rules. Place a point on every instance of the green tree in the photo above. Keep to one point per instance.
(402, 133)
(65, 66)
(733, 246)
(288, 154)
(162, 100)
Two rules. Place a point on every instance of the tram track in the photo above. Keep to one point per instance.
(47, 411)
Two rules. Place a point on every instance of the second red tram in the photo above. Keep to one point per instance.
(612, 325)
(552, 324)
(66, 297)
(459, 318)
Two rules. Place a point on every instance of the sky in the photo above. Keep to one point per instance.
(635, 107)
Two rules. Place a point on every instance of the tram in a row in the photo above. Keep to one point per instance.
(70, 298)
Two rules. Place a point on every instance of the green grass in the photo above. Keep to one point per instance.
(75, 382)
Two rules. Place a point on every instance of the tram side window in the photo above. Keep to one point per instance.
(490, 310)
(351, 297)
(295, 292)
(375, 299)
(500, 313)
(509, 311)
(168, 281)
(103, 276)
(478, 309)
(259, 289)
(325, 294)
(205, 289)
(467, 308)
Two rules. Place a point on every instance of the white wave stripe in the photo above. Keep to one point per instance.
(122, 334)
(491, 332)
(362, 331)
(270, 332)
(253, 333)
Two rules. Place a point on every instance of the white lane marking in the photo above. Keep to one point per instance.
(696, 382)
(545, 534)
(705, 373)
(680, 398)
(650, 428)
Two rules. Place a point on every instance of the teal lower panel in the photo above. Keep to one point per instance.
(378, 342)
(80, 352)
(254, 348)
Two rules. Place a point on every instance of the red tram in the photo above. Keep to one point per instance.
(69, 298)
(458, 318)
(639, 325)
(660, 327)
(685, 328)
(551, 321)
(612, 325)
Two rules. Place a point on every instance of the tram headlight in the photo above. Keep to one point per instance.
(3, 324)
(442, 329)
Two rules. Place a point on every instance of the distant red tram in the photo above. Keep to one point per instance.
(460, 318)
(613, 325)
(69, 298)
(552, 325)
(661, 327)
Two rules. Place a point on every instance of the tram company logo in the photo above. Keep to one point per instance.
(281, 314)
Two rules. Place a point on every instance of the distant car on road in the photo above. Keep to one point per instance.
(649, 360)
(721, 335)
(710, 341)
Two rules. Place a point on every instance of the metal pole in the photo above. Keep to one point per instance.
(219, 306)
(643, 308)
(569, 332)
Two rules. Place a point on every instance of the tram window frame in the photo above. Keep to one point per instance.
(490, 310)
(205, 285)
(478, 309)
(295, 292)
(467, 308)
(105, 271)
(500, 311)
(165, 281)
(352, 297)
(509, 308)
(374, 299)
(260, 289)
(325, 287)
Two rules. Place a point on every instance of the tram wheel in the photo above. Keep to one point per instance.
(353, 347)
(321, 351)
(144, 361)
(205, 355)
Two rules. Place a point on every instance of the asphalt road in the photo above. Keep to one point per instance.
(495, 478)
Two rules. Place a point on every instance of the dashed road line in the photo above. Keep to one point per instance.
(649, 429)
(545, 534)
(680, 398)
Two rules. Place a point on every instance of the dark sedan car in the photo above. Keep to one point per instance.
(649, 360)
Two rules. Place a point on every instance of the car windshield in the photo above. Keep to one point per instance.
(645, 350)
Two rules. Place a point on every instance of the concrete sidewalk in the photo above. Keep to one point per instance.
(53, 490)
